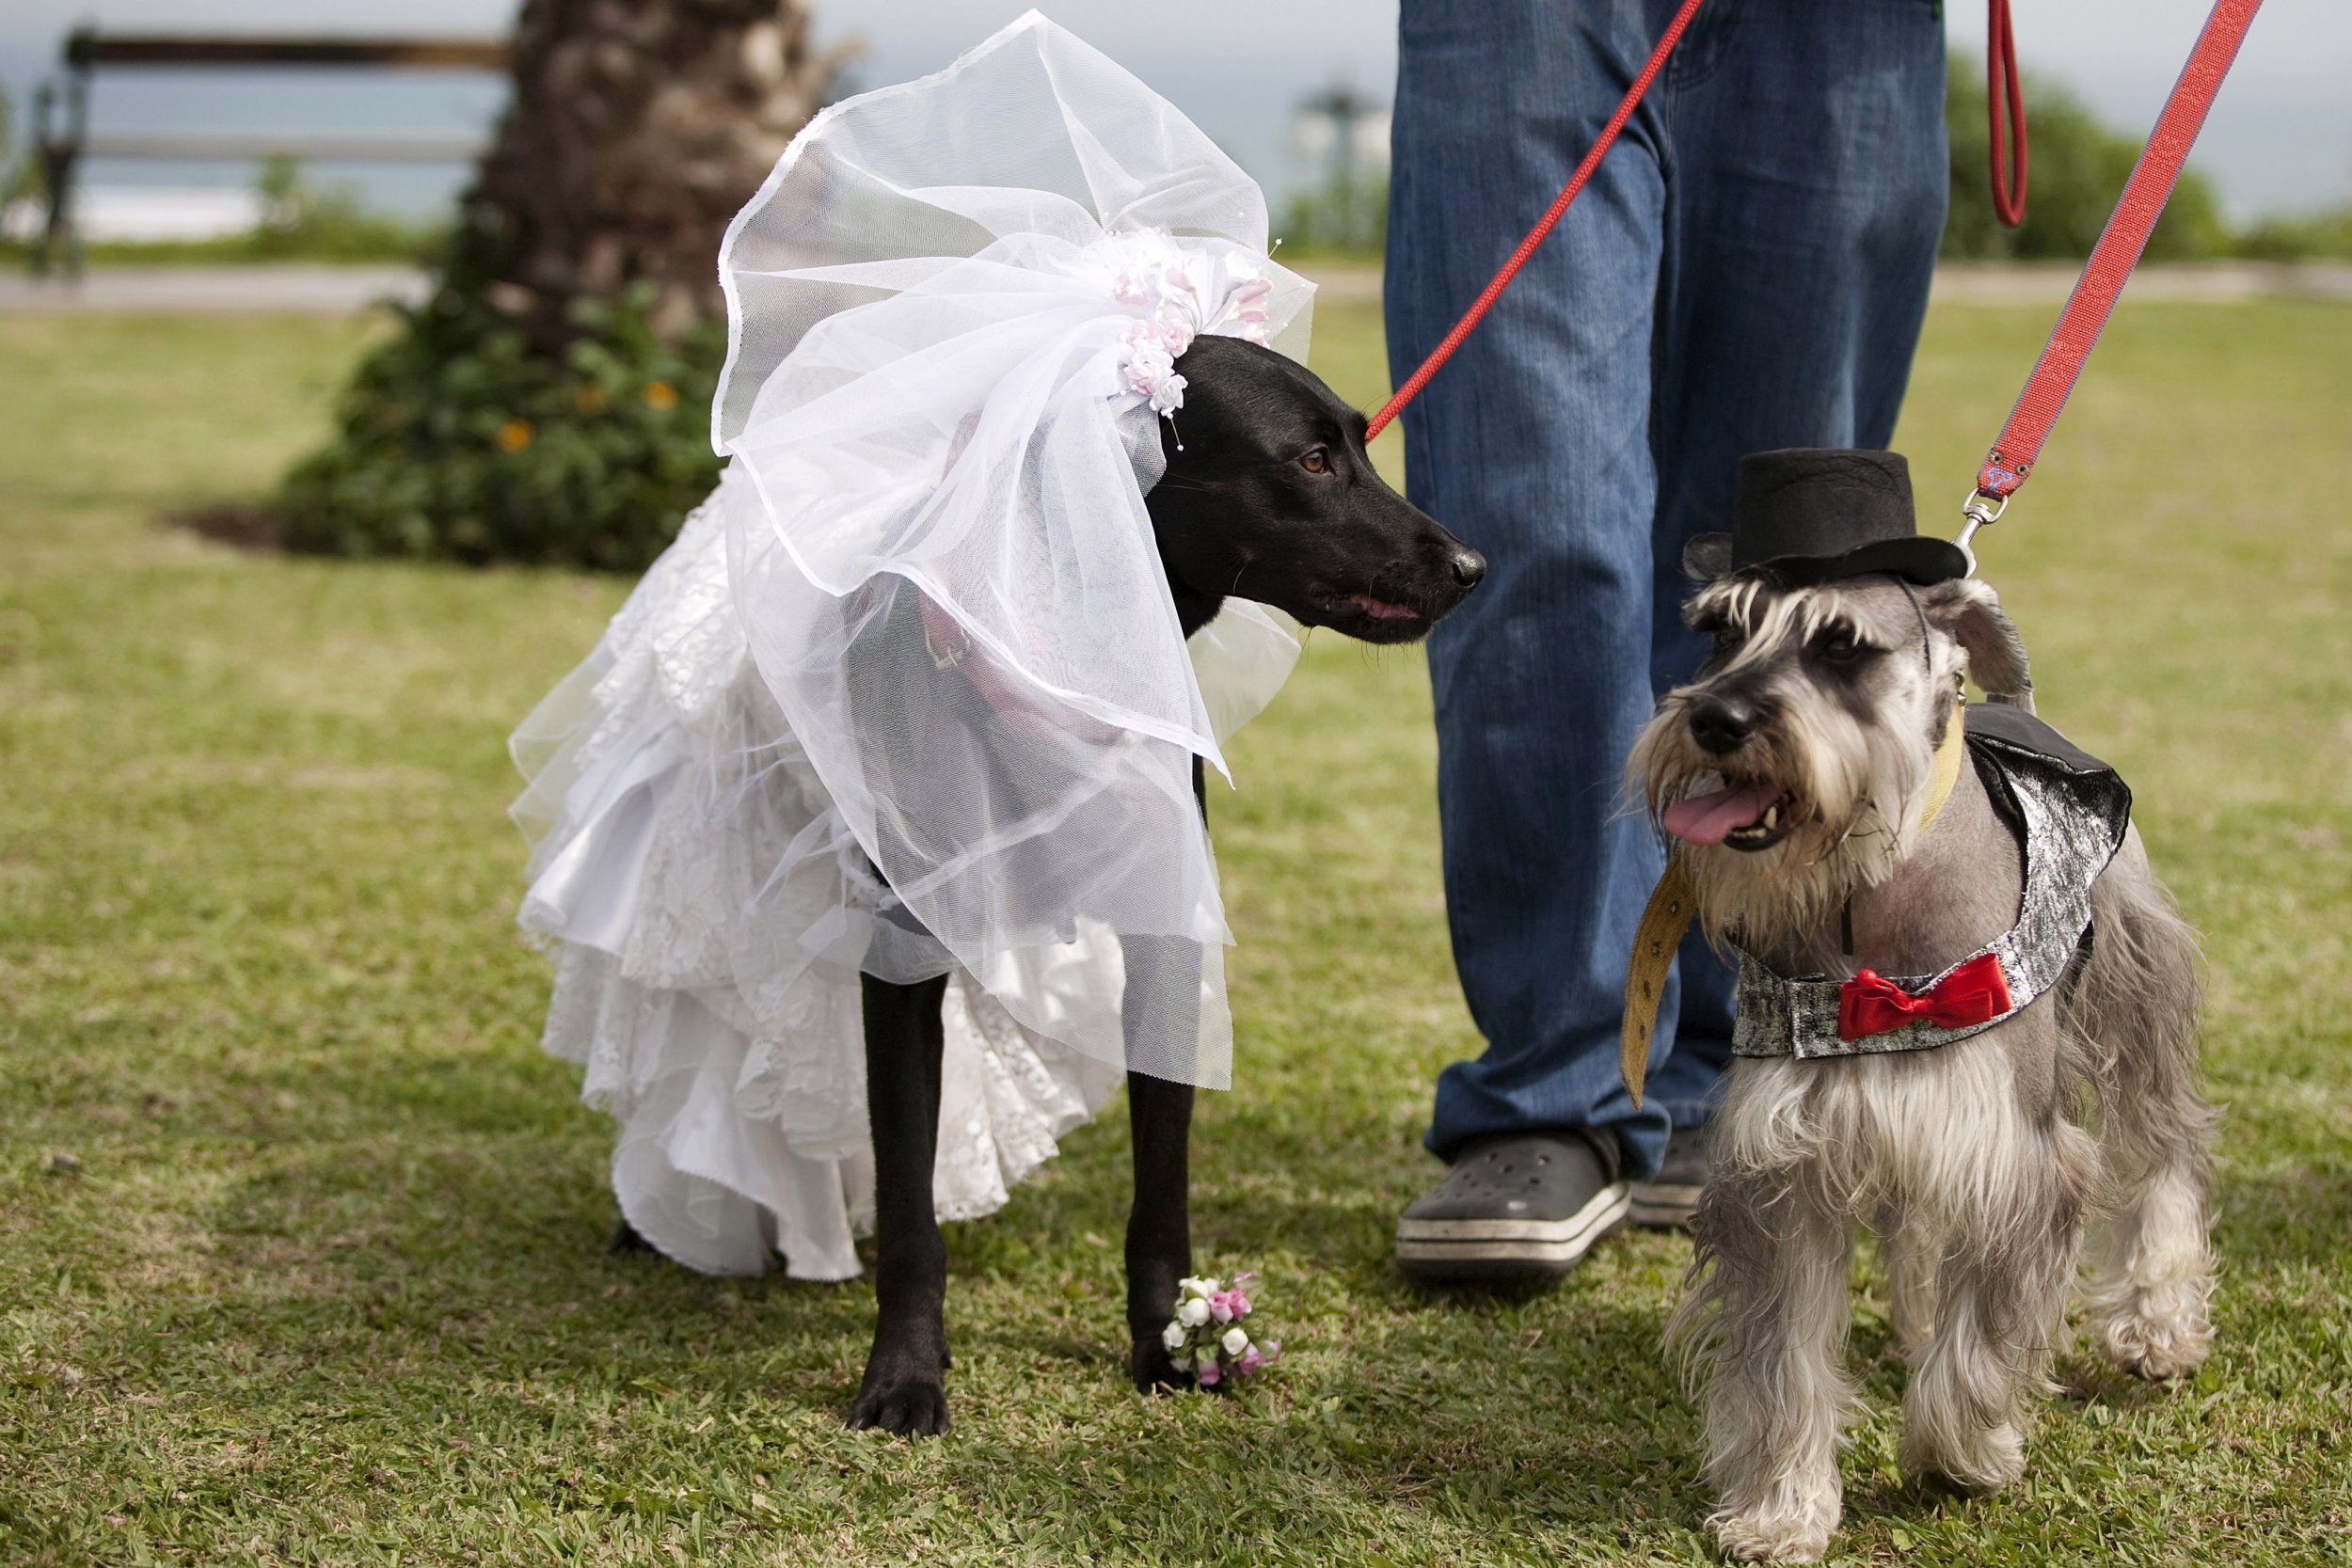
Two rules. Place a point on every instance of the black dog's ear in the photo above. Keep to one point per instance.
(1706, 558)
(1971, 613)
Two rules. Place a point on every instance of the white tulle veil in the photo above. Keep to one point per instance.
(954, 309)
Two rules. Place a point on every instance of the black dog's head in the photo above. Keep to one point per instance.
(1271, 496)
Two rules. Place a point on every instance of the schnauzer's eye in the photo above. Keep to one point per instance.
(1840, 646)
(1316, 461)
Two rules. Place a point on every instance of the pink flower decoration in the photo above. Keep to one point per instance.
(1205, 1336)
(1149, 368)
(1174, 305)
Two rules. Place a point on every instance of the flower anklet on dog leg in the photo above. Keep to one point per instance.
(1206, 1336)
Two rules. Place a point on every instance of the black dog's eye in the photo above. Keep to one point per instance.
(1316, 461)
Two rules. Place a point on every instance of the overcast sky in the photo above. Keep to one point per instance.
(2279, 139)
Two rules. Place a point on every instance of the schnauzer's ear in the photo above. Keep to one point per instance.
(1971, 613)
(1706, 558)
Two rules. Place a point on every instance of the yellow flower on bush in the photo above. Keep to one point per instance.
(591, 398)
(662, 397)
(515, 435)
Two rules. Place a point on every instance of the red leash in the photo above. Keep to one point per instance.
(1493, 290)
(2005, 108)
(2111, 261)
(2087, 309)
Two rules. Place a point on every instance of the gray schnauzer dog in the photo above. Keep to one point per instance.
(2027, 1074)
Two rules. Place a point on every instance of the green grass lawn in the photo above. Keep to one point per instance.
(301, 1239)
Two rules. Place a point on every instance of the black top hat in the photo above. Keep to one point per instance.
(1805, 515)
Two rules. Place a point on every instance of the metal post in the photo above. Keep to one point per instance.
(57, 142)
(1343, 106)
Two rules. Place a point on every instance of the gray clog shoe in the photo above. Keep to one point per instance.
(1514, 1206)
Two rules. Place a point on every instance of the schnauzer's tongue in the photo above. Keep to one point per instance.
(1707, 818)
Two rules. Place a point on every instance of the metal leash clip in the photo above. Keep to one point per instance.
(1978, 510)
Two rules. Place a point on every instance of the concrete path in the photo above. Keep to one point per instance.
(311, 291)
(337, 291)
(2173, 282)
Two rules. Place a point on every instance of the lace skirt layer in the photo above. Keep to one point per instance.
(711, 916)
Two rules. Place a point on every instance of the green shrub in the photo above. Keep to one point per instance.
(2078, 169)
(305, 221)
(2327, 235)
(1342, 219)
(461, 441)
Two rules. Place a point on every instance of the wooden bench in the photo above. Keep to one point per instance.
(63, 139)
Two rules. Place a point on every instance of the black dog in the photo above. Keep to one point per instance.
(1268, 495)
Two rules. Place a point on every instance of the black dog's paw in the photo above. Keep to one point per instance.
(1154, 1370)
(625, 1240)
(904, 1405)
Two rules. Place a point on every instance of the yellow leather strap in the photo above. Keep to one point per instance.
(1672, 905)
(1949, 754)
(1664, 922)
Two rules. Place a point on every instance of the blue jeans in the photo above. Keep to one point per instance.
(1746, 270)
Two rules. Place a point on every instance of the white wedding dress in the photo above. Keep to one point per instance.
(920, 624)
(725, 1042)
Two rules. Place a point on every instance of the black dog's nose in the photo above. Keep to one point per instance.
(1722, 725)
(1470, 567)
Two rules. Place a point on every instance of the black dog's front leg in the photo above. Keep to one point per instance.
(903, 1390)
(1159, 1118)
(1159, 1227)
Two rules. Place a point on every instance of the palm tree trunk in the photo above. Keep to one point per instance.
(636, 130)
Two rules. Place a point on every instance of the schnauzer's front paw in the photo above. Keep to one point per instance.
(2159, 1352)
(903, 1404)
(1982, 1460)
(1154, 1370)
(2158, 1340)
(1757, 1536)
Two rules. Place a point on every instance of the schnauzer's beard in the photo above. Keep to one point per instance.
(1853, 773)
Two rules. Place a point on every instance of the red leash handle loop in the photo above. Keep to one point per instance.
(2112, 259)
(1501, 279)
(2005, 110)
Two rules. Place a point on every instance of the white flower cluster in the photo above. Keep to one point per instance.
(1178, 293)
(1206, 1334)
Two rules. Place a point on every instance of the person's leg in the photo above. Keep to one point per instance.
(1533, 446)
(1807, 182)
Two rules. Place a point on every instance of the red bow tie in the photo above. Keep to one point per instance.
(1975, 992)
